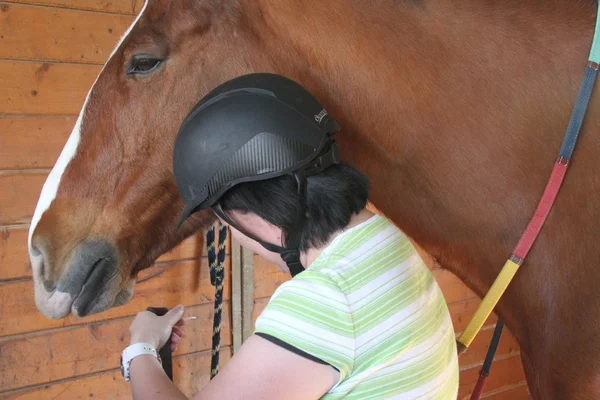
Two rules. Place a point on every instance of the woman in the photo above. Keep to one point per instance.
(362, 317)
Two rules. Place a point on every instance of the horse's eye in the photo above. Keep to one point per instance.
(143, 65)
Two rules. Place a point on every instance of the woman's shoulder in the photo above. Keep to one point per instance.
(364, 249)
(313, 282)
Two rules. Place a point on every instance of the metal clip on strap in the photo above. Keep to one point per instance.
(330, 157)
(292, 259)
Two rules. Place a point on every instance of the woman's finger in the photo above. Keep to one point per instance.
(179, 331)
(175, 338)
(174, 315)
(181, 322)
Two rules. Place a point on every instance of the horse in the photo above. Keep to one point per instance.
(455, 111)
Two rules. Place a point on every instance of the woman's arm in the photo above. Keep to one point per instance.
(260, 369)
(263, 370)
(147, 377)
(149, 381)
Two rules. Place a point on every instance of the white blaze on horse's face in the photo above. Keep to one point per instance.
(57, 304)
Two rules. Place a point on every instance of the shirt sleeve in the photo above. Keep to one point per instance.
(311, 313)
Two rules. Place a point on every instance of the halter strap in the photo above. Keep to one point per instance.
(291, 255)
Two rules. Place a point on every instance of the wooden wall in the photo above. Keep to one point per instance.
(50, 54)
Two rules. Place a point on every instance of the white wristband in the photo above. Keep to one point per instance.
(131, 352)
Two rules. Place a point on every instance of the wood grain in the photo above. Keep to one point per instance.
(33, 142)
(19, 193)
(504, 373)
(59, 35)
(191, 372)
(108, 6)
(14, 258)
(517, 391)
(44, 88)
(56, 355)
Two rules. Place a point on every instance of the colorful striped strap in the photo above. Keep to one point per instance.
(545, 205)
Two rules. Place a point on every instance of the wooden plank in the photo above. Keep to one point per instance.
(55, 355)
(59, 35)
(19, 193)
(44, 89)
(190, 248)
(27, 142)
(267, 277)
(108, 6)
(516, 392)
(453, 288)
(259, 306)
(191, 372)
(506, 372)
(13, 253)
(236, 294)
(186, 283)
(248, 280)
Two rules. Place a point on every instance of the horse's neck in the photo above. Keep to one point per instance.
(435, 100)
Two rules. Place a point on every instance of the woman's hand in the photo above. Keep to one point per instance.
(152, 329)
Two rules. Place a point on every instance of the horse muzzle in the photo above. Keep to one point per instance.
(89, 283)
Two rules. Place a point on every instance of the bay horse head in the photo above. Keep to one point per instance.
(109, 206)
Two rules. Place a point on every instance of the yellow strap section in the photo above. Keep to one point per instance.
(489, 302)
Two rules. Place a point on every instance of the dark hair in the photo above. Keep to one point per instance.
(333, 196)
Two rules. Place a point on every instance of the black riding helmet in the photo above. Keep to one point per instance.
(253, 128)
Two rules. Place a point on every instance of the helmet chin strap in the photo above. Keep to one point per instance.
(290, 254)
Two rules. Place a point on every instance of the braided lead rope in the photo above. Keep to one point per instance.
(217, 276)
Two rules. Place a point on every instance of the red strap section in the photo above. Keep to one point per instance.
(478, 390)
(542, 211)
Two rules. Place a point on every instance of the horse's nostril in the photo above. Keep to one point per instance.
(41, 268)
(35, 252)
(49, 285)
(38, 262)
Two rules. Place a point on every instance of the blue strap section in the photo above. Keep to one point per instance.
(489, 357)
(583, 99)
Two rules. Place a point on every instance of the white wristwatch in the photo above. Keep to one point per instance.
(131, 352)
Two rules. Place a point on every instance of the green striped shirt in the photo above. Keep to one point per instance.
(370, 307)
